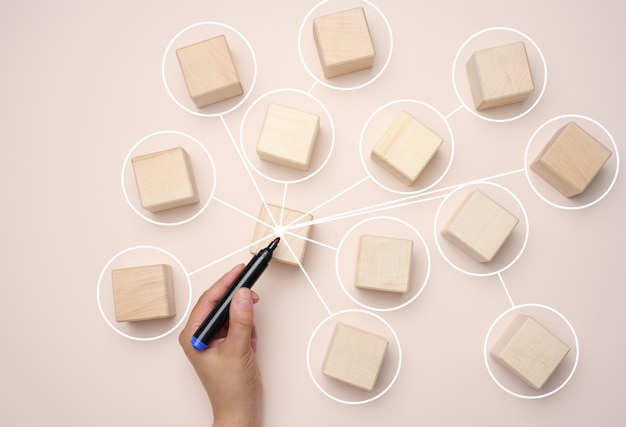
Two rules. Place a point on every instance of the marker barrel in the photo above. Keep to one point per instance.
(220, 313)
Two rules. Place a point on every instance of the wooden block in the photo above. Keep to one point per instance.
(479, 226)
(295, 238)
(383, 263)
(406, 148)
(500, 76)
(288, 136)
(529, 350)
(354, 356)
(165, 179)
(209, 71)
(344, 43)
(143, 293)
(571, 160)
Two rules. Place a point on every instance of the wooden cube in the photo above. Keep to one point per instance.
(165, 179)
(209, 71)
(529, 350)
(295, 238)
(288, 136)
(500, 76)
(571, 160)
(406, 148)
(383, 263)
(354, 356)
(143, 293)
(344, 43)
(479, 226)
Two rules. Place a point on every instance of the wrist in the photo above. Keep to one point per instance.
(236, 420)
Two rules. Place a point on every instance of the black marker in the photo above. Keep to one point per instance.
(216, 319)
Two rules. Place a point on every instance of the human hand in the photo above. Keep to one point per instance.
(227, 368)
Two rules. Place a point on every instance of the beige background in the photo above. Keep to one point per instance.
(81, 86)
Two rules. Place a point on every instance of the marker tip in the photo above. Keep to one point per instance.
(274, 243)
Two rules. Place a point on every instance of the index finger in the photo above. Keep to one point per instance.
(209, 299)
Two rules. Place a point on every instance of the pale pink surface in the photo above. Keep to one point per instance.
(81, 84)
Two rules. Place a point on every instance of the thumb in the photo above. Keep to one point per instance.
(241, 321)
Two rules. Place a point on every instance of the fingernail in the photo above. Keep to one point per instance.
(244, 298)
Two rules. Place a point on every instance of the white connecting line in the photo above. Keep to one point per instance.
(456, 110)
(366, 211)
(245, 164)
(282, 206)
(332, 248)
(278, 223)
(293, 254)
(246, 214)
(310, 212)
(404, 201)
(506, 290)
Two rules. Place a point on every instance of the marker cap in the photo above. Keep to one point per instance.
(197, 344)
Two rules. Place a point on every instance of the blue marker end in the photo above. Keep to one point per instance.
(197, 344)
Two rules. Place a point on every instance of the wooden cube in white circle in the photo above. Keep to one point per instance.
(479, 226)
(500, 76)
(406, 148)
(209, 71)
(571, 160)
(165, 179)
(344, 43)
(383, 263)
(288, 136)
(143, 293)
(529, 350)
(354, 356)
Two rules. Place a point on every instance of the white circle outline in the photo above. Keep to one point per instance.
(526, 166)
(328, 85)
(408, 101)
(162, 132)
(309, 175)
(471, 110)
(522, 396)
(308, 358)
(167, 88)
(414, 297)
(506, 266)
(100, 283)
